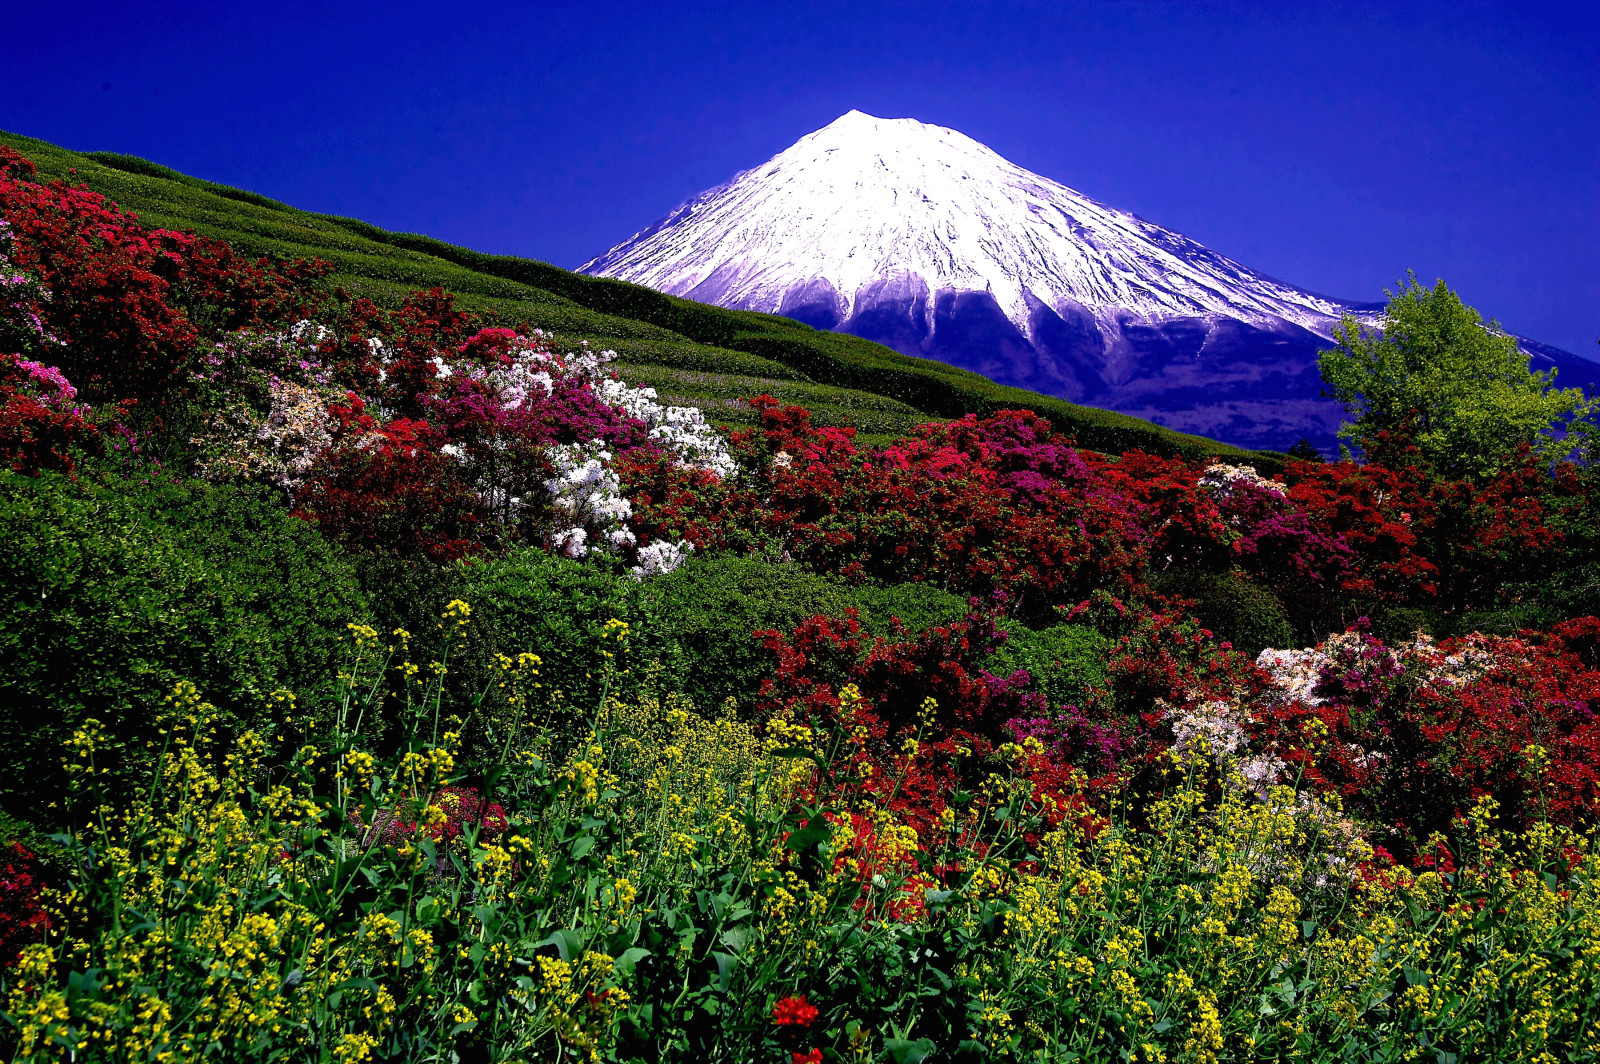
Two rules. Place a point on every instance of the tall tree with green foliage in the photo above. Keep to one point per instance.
(1436, 377)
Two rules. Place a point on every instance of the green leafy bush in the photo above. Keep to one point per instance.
(533, 602)
(1064, 662)
(112, 592)
(915, 606)
(710, 607)
(1235, 608)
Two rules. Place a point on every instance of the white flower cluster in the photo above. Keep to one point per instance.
(1294, 673)
(588, 499)
(660, 558)
(1216, 729)
(530, 374)
(279, 447)
(683, 430)
(534, 369)
(307, 331)
(588, 496)
(1221, 480)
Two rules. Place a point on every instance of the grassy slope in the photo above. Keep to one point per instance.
(690, 352)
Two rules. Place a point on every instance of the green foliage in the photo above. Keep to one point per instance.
(916, 606)
(112, 592)
(1237, 609)
(1064, 662)
(1401, 624)
(709, 607)
(556, 607)
(1436, 376)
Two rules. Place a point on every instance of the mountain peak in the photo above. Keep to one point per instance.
(865, 199)
(921, 238)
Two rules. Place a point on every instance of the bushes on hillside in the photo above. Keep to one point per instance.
(112, 592)
(711, 609)
(128, 306)
(530, 601)
(1235, 608)
(697, 625)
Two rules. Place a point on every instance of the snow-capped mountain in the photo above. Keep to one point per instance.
(921, 238)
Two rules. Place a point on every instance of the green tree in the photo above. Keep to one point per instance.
(1436, 377)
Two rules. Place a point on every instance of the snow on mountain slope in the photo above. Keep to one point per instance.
(923, 239)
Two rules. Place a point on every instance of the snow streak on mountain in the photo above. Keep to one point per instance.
(922, 239)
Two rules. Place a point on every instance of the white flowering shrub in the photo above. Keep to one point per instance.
(1294, 673)
(270, 395)
(588, 500)
(587, 494)
(660, 558)
(1217, 729)
(1222, 480)
(683, 430)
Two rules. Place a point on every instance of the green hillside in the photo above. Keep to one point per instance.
(693, 354)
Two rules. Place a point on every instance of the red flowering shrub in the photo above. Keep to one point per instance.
(464, 807)
(1377, 512)
(22, 919)
(1413, 735)
(461, 808)
(389, 488)
(128, 305)
(40, 428)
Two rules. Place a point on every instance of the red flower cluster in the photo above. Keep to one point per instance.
(463, 807)
(1413, 736)
(794, 1011)
(22, 919)
(129, 305)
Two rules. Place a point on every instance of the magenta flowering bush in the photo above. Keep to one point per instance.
(506, 439)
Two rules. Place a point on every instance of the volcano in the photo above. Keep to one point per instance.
(922, 239)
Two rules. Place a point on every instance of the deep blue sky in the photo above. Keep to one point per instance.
(1331, 145)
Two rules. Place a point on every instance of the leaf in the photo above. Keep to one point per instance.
(813, 835)
(904, 1051)
(568, 944)
(581, 848)
(429, 910)
(726, 963)
(630, 958)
